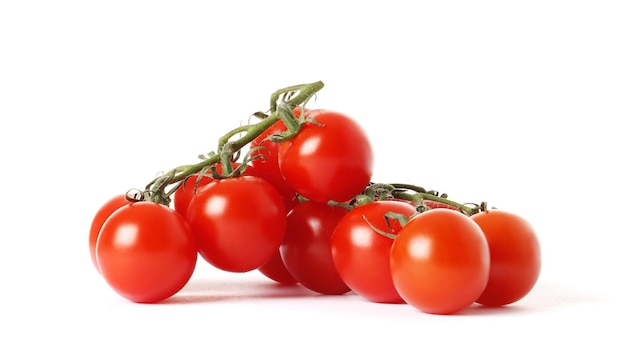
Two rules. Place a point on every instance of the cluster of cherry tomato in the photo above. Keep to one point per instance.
(296, 211)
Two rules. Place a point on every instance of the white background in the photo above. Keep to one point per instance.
(520, 104)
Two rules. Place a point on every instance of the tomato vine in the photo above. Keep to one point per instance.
(422, 198)
(282, 104)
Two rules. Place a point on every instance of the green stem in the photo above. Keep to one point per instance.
(411, 187)
(228, 136)
(418, 197)
(414, 194)
(298, 94)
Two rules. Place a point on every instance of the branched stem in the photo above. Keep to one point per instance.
(282, 103)
(416, 195)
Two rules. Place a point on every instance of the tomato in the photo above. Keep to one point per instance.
(330, 159)
(275, 270)
(434, 204)
(239, 223)
(306, 248)
(515, 257)
(361, 254)
(146, 252)
(267, 167)
(184, 193)
(440, 261)
(98, 220)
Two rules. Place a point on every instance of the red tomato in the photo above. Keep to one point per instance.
(239, 222)
(306, 248)
(434, 204)
(275, 270)
(184, 193)
(146, 252)
(515, 257)
(440, 261)
(98, 220)
(267, 165)
(361, 254)
(332, 160)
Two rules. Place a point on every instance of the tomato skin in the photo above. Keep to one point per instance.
(306, 248)
(515, 257)
(434, 204)
(361, 255)
(275, 270)
(267, 167)
(440, 261)
(332, 160)
(146, 252)
(184, 193)
(98, 220)
(239, 222)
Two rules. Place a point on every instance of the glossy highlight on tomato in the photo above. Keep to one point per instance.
(440, 261)
(146, 252)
